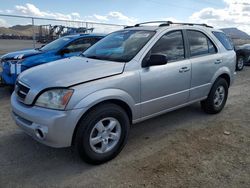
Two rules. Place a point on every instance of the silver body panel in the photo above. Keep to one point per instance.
(147, 91)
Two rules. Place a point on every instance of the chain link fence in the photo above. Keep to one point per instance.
(21, 32)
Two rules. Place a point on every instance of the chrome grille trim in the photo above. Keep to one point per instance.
(21, 90)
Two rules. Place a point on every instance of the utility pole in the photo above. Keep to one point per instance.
(33, 33)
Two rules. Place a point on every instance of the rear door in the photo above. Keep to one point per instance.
(166, 86)
(205, 61)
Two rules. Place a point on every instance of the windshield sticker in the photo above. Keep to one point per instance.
(66, 39)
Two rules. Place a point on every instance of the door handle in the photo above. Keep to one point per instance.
(218, 61)
(184, 69)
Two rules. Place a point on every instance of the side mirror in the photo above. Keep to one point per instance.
(64, 51)
(155, 60)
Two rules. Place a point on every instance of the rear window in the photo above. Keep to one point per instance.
(225, 41)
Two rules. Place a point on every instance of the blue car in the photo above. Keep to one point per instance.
(16, 62)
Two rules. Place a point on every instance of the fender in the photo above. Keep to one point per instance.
(219, 72)
(108, 94)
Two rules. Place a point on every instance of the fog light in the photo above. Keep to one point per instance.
(39, 134)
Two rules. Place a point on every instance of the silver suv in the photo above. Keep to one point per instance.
(131, 75)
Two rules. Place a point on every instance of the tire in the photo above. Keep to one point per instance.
(214, 102)
(94, 126)
(240, 63)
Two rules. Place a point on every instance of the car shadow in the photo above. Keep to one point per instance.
(19, 148)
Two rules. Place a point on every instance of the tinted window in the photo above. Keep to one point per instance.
(170, 45)
(56, 44)
(80, 44)
(200, 44)
(225, 41)
(211, 47)
(245, 46)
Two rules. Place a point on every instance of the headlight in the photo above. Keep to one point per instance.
(54, 98)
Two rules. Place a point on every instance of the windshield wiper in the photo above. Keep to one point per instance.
(38, 49)
(93, 57)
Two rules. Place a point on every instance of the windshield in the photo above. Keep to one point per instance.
(246, 46)
(119, 46)
(56, 44)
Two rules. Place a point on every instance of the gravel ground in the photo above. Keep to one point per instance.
(184, 148)
(10, 45)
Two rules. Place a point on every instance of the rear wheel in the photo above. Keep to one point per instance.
(240, 63)
(102, 133)
(217, 97)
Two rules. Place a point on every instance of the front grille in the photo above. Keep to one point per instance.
(21, 90)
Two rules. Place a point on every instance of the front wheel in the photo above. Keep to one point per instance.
(102, 133)
(217, 97)
(240, 63)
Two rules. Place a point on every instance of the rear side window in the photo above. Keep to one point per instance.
(200, 44)
(171, 45)
(225, 41)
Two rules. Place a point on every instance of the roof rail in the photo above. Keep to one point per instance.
(167, 23)
(162, 22)
(192, 24)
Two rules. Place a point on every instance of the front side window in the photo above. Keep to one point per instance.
(80, 45)
(171, 45)
(200, 44)
(56, 44)
(120, 46)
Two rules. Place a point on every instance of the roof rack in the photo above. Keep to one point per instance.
(192, 24)
(162, 22)
(167, 23)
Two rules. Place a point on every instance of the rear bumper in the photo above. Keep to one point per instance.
(50, 127)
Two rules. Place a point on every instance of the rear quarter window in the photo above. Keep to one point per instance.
(225, 41)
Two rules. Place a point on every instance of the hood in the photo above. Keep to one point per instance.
(21, 54)
(68, 72)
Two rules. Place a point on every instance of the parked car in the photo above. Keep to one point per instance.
(16, 62)
(243, 56)
(90, 101)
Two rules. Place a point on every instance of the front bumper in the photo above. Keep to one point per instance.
(56, 126)
(1, 72)
(9, 72)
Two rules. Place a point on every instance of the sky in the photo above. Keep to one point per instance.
(219, 13)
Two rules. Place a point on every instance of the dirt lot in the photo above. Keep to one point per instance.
(10, 45)
(185, 148)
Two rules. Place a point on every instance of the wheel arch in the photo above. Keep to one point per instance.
(123, 103)
(225, 73)
(226, 77)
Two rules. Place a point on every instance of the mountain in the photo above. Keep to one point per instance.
(21, 27)
(18, 30)
(235, 33)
